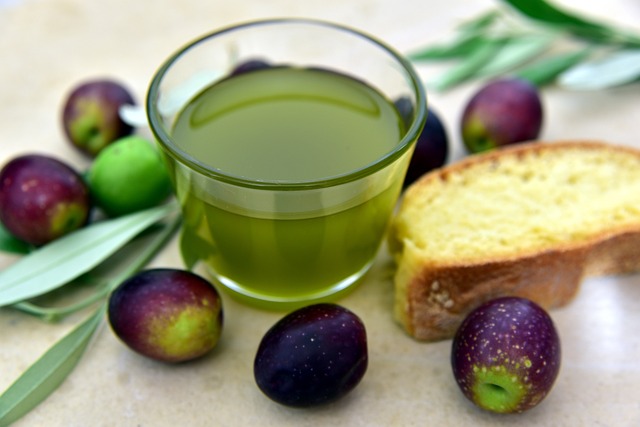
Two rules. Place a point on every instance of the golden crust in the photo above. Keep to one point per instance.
(520, 150)
(433, 297)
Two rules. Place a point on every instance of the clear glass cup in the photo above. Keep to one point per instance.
(275, 240)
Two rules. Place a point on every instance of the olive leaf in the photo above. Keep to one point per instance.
(110, 273)
(494, 44)
(515, 52)
(471, 36)
(48, 372)
(456, 48)
(66, 258)
(615, 69)
(189, 253)
(547, 69)
(479, 23)
(547, 13)
(8, 243)
(55, 314)
(468, 67)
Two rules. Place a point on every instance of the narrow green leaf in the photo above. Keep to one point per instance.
(188, 252)
(193, 248)
(517, 51)
(544, 11)
(481, 23)
(48, 372)
(548, 68)
(55, 314)
(110, 273)
(8, 243)
(64, 259)
(547, 13)
(614, 70)
(467, 68)
(456, 48)
(472, 35)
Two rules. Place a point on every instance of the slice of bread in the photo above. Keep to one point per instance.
(532, 221)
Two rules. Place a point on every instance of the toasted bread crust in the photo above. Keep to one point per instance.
(433, 297)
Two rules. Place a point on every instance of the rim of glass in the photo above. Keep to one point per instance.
(380, 163)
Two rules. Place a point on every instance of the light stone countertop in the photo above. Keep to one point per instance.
(47, 46)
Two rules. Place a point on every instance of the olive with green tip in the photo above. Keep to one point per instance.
(42, 198)
(502, 112)
(91, 114)
(506, 355)
(166, 314)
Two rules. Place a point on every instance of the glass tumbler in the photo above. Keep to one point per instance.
(287, 141)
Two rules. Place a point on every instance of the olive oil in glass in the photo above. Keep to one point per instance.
(278, 129)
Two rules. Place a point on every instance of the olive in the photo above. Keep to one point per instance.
(503, 112)
(167, 314)
(42, 198)
(432, 147)
(312, 356)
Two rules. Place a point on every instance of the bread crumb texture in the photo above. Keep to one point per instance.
(520, 204)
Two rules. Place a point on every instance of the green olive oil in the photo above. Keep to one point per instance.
(280, 126)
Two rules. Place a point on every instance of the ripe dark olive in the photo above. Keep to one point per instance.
(432, 146)
(42, 198)
(503, 112)
(506, 355)
(250, 65)
(312, 356)
(167, 314)
(91, 115)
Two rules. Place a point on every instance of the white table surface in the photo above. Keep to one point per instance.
(47, 46)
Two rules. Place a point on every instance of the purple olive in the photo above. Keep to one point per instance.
(431, 149)
(312, 356)
(167, 314)
(91, 115)
(42, 198)
(503, 112)
(506, 355)
(250, 65)
(432, 146)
